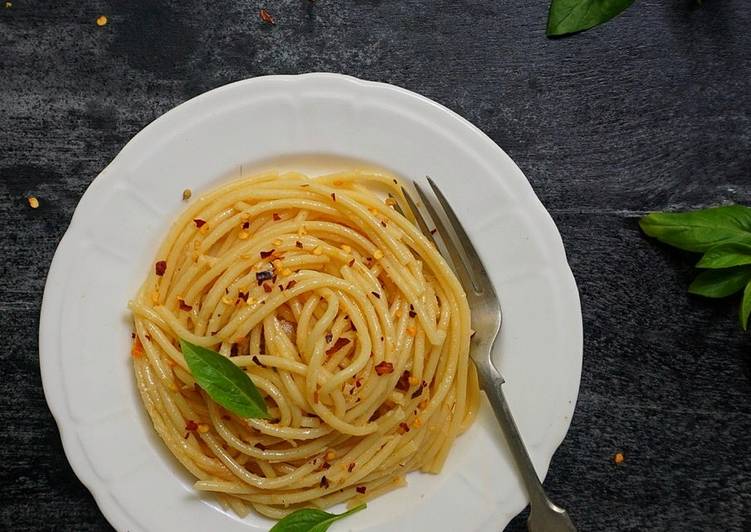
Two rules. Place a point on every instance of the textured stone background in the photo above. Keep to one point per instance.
(651, 111)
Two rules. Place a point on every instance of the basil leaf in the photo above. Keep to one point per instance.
(745, 307)
(700, 230)
(570, 16)
(301, 520)
(311, 520)
(225, 383)
(720, 283)
(726, 256)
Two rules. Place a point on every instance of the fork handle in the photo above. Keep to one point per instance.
(544, 515)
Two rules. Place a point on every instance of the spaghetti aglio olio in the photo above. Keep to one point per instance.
(344, 316)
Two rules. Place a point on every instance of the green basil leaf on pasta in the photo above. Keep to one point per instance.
(720, 283)
(570, 16)
(311, 520)
(225, 383)
(700, 230)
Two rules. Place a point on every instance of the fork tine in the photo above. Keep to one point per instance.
(472, 259)
(397, 207)
(418, 216)
(460, 267)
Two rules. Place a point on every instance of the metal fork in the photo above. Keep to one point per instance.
(544, 515)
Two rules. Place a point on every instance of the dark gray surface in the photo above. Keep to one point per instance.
(651, 111)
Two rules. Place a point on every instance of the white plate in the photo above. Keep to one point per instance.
(316, 123)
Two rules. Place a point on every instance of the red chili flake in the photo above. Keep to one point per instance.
(257, 361)
(383, 223)
(324, 482)
(340, 342)
(358, 382)
(148, 336)
(136, 350)
(246, 225)
(291, 284)
(160, 267)
(199, 223)
(383, 368)
(351, 263)
(418, 391)
(325, 465)
(132, 335)
(360, 489)
(184, 306)
(329, 337)
(403, 428)
(395, 181)
(191, 425)
(432, 231)
(376, 294)
(243, 296)
(266, 17)
(267, 287)
(276, 217)
(263, 276)
(265, 254)
(333, 196)
(298, 244)
(350, 467)
(412, 313)
(403, 383)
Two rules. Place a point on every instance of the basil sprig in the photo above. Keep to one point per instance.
(225, 383)
(723, 235)
(570, 16)
(311, 520)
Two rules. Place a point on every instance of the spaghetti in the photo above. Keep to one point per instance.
(345, 317)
